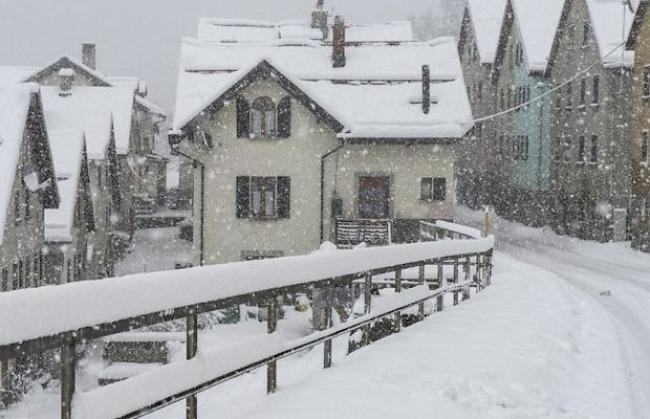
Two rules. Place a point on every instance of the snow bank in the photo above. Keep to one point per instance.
(31, 313)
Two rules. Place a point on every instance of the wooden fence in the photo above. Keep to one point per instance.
(462, 249)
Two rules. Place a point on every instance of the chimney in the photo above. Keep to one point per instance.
(338, 42)
(426, 89)
(319, 19)
(66, 80)
(88, 55)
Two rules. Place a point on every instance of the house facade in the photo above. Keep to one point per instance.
(523, 134)
(590, 145)
(477, 153)
(67, 228)
(287, 153)
(26, 187)
(639, 41)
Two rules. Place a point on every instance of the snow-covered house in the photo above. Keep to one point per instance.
(523, 135)
(639, 41)
(68, 227)
(297, 140)
(139, 165)
(590, 123)
(27, 186)
(102, 115)
(477, 47)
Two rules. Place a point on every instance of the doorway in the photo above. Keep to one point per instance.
(374, 197)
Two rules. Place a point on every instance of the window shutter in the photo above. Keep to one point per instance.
(284, 118)
(243, 197)
(243, 117)
(439, 189)
(284, 197)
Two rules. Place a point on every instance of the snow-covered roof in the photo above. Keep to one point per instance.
(486, 17)
(611, 21)
(10, 75)
(91, 109)
(398, 31)
(67, 153)
(389, 74)
(538, 23)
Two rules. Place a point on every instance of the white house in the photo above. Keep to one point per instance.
(297, 140)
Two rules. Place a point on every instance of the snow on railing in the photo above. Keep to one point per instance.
(35, 320)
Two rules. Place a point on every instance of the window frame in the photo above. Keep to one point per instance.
(267, 110)
(426, 185)
(281, 199)
(595, 91)
(439, 193)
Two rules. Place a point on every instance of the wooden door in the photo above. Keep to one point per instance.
(374, 197)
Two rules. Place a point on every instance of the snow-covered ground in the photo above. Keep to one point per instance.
(564, 332)
(155, 249)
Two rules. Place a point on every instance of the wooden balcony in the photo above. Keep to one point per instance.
(373, 232)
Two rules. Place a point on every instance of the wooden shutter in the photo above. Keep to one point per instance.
(439, 189)
(243, 117)
(284, 118)
(243, 197)
(284, 197)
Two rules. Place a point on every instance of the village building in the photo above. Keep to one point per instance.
(27, 186)
(639, 41)
(68, 227)
(297, 140)
(522, 131)
(477, 154)
(590, 124)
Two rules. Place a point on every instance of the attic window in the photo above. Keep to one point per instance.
(263, 117)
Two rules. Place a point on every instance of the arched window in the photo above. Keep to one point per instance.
(263, 119)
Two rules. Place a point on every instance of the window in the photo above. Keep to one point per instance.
(595, 92)
(644, 147)
(263, 117)
(585, 35)
(567, 148)
(426, 189)
(569, 95)
(263, 197)
(593, 154)
(520, 148)
(21, 275)
(646, 80)
(15, 276)
(583, 91)
(581, 149)
(439, 189)
(519, 55)
(4, 280)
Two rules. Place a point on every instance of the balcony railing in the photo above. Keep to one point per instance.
(351, 233)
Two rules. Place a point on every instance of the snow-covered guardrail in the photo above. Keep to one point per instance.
(35, 320)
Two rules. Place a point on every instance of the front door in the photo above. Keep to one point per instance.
(374, 197)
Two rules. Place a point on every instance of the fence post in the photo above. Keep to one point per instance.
(477, 275)
(367, 292)
(421, 281)
(68, 365)
(327, 348)
(191, 347)
(441, 283)
(272, 367)
(397, 326)
(488, 279)
(456, 276)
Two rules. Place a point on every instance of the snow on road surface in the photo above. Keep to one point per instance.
(564, 332)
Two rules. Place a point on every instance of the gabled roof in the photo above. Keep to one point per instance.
(16, 103)
(638, 22)
(537, 22)
(486, 17)
(92, 110)
(66, 61)
(389, 75)
(69, 158)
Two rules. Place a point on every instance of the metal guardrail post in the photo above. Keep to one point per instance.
(488, 276)
(478, 279)
(191, 347)
(456, 276)
(68, 366)
(468, 276)
(441, 283)
(327, 348)
(397, 322)
(367, 290)
(272, 367)
(421, 281)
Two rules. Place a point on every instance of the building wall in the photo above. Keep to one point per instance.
(477, 151)
(101, 263)
(584, 192)
(22, 242)
(227, 238)
(640, 124)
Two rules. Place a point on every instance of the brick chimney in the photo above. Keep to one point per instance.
(88, 55)
(338, 42)
(426, 89)
(319, 19)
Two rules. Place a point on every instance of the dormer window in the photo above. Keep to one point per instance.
(263, 118)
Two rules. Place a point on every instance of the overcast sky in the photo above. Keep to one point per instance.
(142, 37)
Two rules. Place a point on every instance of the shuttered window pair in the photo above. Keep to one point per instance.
(263, 197)
(433, 189)
(262, 119)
